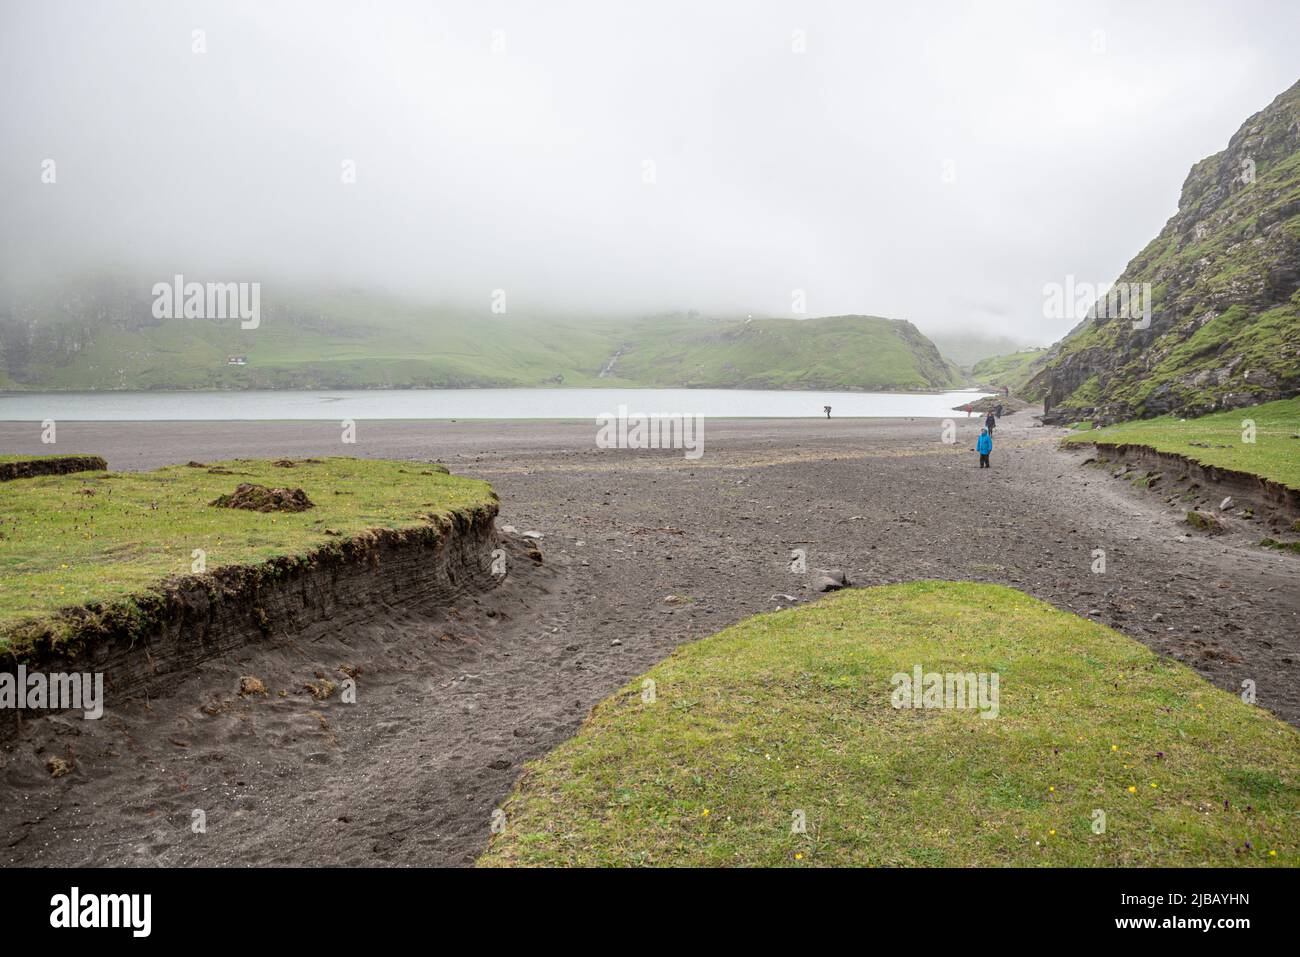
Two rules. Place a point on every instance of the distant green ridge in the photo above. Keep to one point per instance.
(109, 339)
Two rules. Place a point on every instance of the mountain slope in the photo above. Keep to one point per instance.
(105, 337)
(856, 352)
(1013, 370)
(1224, 275)
(966, 349)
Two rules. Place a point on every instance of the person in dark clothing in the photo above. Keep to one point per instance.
(990, 422)
(984, 446)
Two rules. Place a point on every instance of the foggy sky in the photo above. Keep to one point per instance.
(522, 168)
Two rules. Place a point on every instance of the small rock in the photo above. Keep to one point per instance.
(832, 580)
(615, 642)
(1226, 504)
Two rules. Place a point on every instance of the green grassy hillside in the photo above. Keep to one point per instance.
(1225, 294)
(111, 341)
(965, 349)
(1013, 370)
(1101, 754)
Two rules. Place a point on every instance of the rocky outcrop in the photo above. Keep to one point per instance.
(1224, 276)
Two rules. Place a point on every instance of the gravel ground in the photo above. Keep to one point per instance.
(643, 551)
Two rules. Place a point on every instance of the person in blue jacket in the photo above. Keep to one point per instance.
(984, 446)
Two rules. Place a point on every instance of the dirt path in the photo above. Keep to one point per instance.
(449, 710)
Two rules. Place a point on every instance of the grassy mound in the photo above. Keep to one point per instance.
(1217, 439)
(791, 712)
(98, 537)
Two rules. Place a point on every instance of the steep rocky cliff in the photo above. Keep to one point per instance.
(1224, 275)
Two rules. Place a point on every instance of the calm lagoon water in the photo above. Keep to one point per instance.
(468, 404)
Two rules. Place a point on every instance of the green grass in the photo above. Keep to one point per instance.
(362, 341)
(100, 537)
(1273, 455)
(1013, 370)
(791, 711)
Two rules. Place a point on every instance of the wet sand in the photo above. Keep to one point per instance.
(449, 709)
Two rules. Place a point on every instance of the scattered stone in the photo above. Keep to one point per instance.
(832, 580)
(673, 599)
(616, 641)
(534, 535)
(500, 764)
(1226, 504)
(259, 498)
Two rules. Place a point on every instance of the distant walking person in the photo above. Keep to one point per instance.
(984, 446)
(990, 423)
(969, 409)
(828, 410)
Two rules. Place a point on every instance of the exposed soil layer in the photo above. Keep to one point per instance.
(166, 633)
(1208, 485)
(643, 551)
(61, 465)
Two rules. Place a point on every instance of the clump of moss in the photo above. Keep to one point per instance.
(1281, 546)
(322, 689)
(250, 685)
(58, 767)
(1204, 522)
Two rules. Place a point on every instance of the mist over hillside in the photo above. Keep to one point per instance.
(797, 160)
